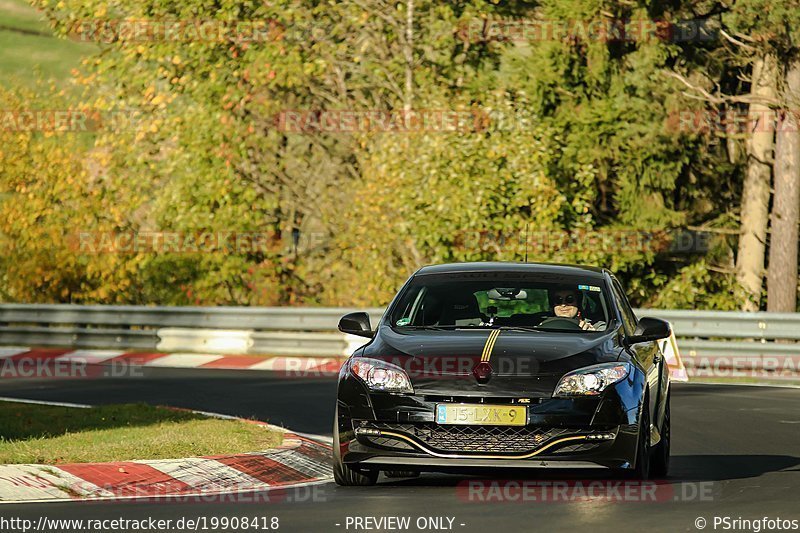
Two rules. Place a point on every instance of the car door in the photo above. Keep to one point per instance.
(646, 353)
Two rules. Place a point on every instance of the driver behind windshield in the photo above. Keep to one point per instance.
(565, 304)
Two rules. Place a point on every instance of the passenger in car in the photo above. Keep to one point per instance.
(462, 310)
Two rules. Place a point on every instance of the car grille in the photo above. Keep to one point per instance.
(474, 439)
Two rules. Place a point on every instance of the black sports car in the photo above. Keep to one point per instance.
(503, 365)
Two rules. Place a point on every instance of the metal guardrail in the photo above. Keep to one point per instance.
(256, 318)
(735, 340)
(76, 337)
(730, 324)
(312, 330)
(273, 330)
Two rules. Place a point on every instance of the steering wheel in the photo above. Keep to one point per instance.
(560, 322)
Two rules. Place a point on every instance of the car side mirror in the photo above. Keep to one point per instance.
(356, 324)
(650, 329)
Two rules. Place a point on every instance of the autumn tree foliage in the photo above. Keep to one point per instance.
(572, 148)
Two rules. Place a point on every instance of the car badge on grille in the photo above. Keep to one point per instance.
(482, 372)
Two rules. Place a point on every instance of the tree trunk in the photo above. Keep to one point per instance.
(754, 216)
(782, 273)
(408, 51)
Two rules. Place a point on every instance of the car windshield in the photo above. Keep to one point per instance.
(502, 300)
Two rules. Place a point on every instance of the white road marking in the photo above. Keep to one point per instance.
(11, 351)
(42, 402)
(183, 360)
(90, 357)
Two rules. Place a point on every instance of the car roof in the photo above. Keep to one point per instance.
(509, 266)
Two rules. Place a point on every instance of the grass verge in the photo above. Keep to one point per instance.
(44, 434)
(28, 48)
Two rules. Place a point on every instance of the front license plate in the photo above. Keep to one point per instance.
(478, 414)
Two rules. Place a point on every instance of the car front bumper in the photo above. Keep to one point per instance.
(398, 432)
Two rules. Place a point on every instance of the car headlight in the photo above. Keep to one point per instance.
(381, 376)
(592, 380)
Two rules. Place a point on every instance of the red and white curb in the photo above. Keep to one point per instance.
(15, 361)
(300, 460)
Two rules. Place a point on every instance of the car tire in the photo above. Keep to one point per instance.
(659, 460)
(345, 475)
(641, 467)
(400, 473)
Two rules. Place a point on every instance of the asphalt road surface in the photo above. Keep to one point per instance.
(735, 455)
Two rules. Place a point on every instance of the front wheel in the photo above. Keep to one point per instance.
(346, 475)
(641, 468)
(659, 461)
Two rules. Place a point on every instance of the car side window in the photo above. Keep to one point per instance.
(629, 319)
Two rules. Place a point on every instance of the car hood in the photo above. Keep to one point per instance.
(523, 363)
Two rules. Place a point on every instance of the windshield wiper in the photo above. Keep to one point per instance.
(520, 328)
(441, 328)
(504, 328)
(486, 326)
(560, 330)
